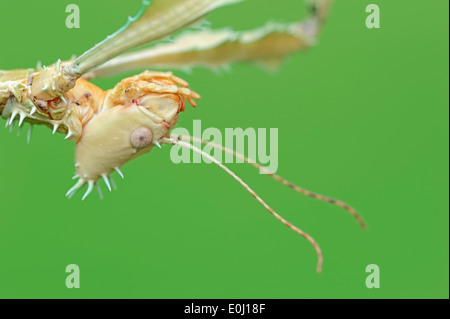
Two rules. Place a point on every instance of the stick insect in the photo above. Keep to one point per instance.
(111, 128)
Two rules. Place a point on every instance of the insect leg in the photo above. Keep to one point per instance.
(218, 49)
(175, 141)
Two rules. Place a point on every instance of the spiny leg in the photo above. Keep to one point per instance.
(278, 178)
(151, 24)
(175, 141)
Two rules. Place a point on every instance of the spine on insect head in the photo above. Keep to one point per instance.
(216, 49)
(109, 128)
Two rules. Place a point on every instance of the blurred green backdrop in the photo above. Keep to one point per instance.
(362, 117)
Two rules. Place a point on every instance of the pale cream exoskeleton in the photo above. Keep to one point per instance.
(111, 128)
(130, 120)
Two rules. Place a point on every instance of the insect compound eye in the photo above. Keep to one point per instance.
(141, 137)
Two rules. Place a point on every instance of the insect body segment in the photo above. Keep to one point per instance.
(132, 119)
(110, 127)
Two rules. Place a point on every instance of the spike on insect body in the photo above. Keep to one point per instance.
(111, 128)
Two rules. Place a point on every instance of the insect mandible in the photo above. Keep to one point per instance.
(111, 128)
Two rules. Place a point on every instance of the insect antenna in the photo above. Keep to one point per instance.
(278, 178)
(177, 141)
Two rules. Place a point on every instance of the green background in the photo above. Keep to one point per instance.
(362, 117)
